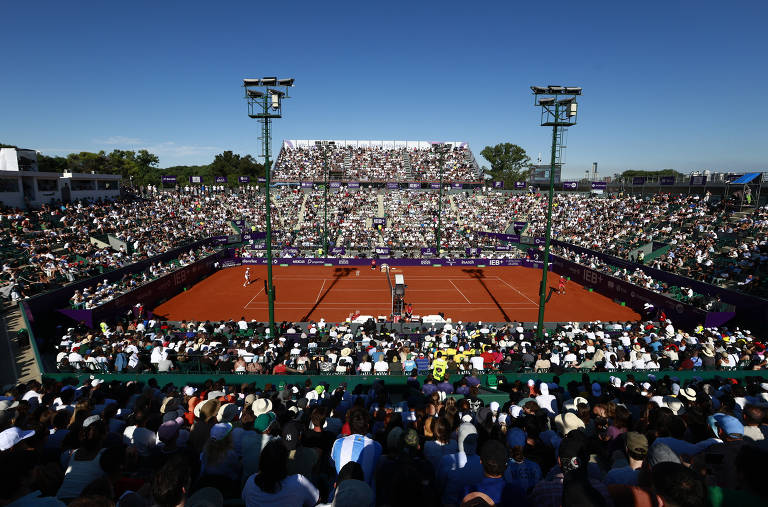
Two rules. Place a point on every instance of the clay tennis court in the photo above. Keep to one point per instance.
(303, 293)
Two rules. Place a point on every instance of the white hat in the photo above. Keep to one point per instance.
(261, 406)
(13, 436)
(494, 406)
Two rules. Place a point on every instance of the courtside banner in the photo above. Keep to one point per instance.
(392, 185)
(306, 184)
(520, 185)
(244, 179)
(435, 186)
(429, 251)
(472, 251)
(570, 185)
(338, 250)
(413, 185)
(395, 262)
(456, 186)
(168, 179)
(353, 184)
(196, 179)
(498, 184)
(599, 185)
(379, 221)
(382, 250)
(220, 179)
(262, 180)
(667, 180)
(335, 184)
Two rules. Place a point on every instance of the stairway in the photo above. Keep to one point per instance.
(347, 164)
(455, 210)
(300, 219)
(407, 165)
(380, 212)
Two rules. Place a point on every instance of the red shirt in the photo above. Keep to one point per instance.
(279, 369)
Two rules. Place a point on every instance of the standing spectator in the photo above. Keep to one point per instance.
(357, 446)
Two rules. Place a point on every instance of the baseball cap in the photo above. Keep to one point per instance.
(219, 431)
(637, 443)
(264, 421)
(12, 436)
(169, 429)
(729, 424)
(661, 453)
(516, 437)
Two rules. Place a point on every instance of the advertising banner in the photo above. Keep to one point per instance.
(196, 179)
(392, 185)
(429, 251)
(353, 184)
(220, 179)
(456, 186)
(338, 250)
(638, 181)
(539, 241)
(519, 226)
(261, 180)
(335, 184)
(414, 185)
(434, 186)
(396, 262)
(168, 179)
(599, 185)
(472, 251)
(382, 250)
(379, 221)
(698, 181)
(306, 184)
(498, 184)
(243, 179)
(503, 248)
(521, 185)
(570, 185)
(667, 180)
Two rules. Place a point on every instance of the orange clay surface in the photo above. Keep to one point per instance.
(303, 293)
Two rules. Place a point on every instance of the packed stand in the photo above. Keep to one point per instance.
(425, 165)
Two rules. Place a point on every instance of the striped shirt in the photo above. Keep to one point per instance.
(360, 449)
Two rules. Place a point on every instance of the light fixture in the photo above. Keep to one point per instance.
(268, 81)
(555, 89)
(538, 90)
(573, 90)
(546, 101)
(254, 94)
(285, 82)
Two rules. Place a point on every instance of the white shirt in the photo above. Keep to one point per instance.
(294, 490)
(477, 362)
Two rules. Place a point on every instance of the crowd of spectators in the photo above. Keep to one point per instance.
(643, 439)
(373, 164)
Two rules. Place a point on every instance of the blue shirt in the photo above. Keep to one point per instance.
(500, 491)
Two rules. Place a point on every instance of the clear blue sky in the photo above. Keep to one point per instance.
(666, 84)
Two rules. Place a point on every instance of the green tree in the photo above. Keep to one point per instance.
(48, 164)
(509, 163)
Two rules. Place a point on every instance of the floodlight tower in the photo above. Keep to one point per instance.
(325, 147)
(558, 110)
(441, 149)
(265, 98)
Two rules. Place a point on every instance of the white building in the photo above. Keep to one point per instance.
(23, 185)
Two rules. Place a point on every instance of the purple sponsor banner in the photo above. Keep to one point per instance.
(338, 250)
(353, 184)
(306, 184)
(519, 185)
(698, 181)
(392, 185)
(262, 180)
(239, 223)
(498, 184)
(539, 241)
(503, 248)
(667, 180)
(520, 225)
(456, 185)
(471, 251)
(382, 250)
(244, 179)
(414, 185)
(289, 252)
(570, 185)
(248, 236)
(429, 251)
(196, 179)
(599, 185)
(379, 221)
(335, 184)
(435, 186)
(220, 179)
(168, 179)
(638, 180)
(397, 262)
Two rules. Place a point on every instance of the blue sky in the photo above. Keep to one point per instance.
(666, 84)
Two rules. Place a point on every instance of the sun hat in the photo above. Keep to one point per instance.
(227, 412)
(567, 422)
(689, 393)
(261, 406)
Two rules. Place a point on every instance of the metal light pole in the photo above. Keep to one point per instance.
(441, 149)
(558, 113)
(265, 103)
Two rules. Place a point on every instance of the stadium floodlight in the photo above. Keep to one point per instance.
(264, 104)
(559, 114)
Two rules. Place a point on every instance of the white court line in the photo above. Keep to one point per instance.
(384, 304)
(462, 294)
(320, 291)
(514, 289)
(254, 297)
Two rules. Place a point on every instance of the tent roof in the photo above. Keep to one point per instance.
(745, 179)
